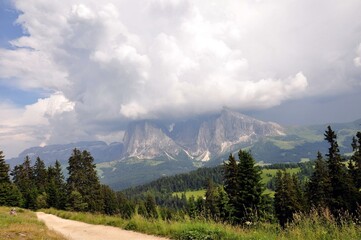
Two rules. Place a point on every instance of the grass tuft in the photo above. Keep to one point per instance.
(24, 226)
(312, 226)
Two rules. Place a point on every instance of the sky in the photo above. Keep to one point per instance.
(81, 70)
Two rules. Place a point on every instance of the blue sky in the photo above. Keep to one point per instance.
(9, 30)
(81, 70)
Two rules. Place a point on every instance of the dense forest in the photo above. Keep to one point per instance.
(234, 191)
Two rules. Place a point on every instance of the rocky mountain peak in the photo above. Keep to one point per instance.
(148, 139)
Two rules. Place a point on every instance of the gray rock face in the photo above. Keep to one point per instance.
(194, 140)
(199, 139)
(147, 140)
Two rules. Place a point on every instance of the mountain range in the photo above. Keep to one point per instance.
(153, 148)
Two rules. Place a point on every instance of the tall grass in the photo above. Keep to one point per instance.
(312, 226)
(23, 226)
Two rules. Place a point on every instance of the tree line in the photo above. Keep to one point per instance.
(234, 191)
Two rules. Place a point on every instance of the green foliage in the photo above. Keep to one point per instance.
(110, 200)
(243, 184)
(10, 195)
(126, 207)
(40, 175)
(23, 178)
(150, 207)
(344, 194)
(84, 180)
(56, 189)
(287, 200)
(4, 169)
(319, 186)
(76, 202)
(355, 163)
(41, 201)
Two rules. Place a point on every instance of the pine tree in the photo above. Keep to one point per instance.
(250, 187)
(23, 179)
(319, 186)
(212, 201)
(10, 195)
(286, 201)
(150, 207)
(110, 200)
(4, 169)
(40, 175)
(343, 192)
(355, 163)
(242, 182)
(231, 183)
(83, 179)
(126, 207)
(56, 189)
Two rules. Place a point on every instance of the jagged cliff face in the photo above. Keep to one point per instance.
(198, 139)
(147, 140)
(193, 140)
(232, 128)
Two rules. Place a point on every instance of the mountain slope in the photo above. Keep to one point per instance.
(151, 148)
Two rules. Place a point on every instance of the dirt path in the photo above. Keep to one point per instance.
(74, 230)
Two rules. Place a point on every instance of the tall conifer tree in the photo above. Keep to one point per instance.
(286, 201)
(40, 175)
(250, 187)
(24, 180)
(83, 179)
(319, 186)
(231, 182)
(56, 189)
(4, 169)
(343, 192)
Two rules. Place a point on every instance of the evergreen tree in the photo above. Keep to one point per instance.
(76, 202)
(242, 182)
(10, 195)
(40, 175)
(151, 207)
(319, 186)
(23, 178)
(110, 200)
(191, 207)
(286, 201)
(4, 169)
(212, 201)
(126, 207)
(355, 163)
(343, 192)
(231, 182)
(250, 187)
(84, 180)
(56, 189)
(223, 204)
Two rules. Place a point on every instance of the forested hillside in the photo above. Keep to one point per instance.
(234, 192)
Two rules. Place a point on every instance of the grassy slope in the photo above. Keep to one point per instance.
(24, 226)
(266, 175)
(307, 227)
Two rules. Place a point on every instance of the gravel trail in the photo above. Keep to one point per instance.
(74, 230)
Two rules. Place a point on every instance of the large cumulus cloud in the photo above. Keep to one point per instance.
(115, 61)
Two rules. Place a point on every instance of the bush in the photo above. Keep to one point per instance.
(200, 234)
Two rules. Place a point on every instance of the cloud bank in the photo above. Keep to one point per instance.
(105, 63)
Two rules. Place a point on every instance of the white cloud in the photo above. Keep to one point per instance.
(29, 126)
(357, 60)
(125, 60)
